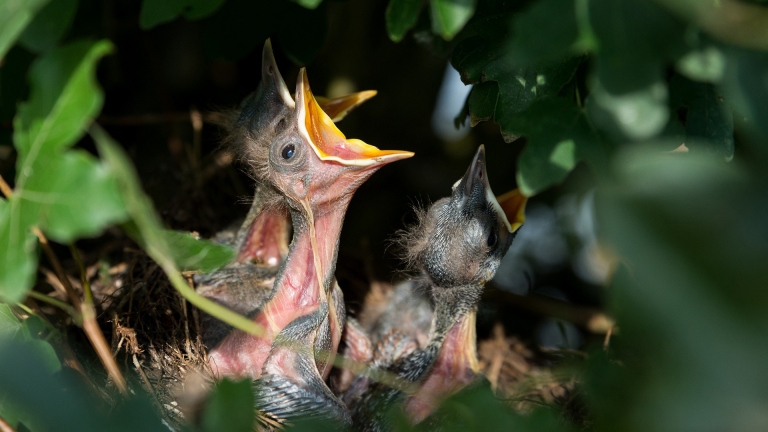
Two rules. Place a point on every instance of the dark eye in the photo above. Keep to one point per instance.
(492, 239)
(289, 151)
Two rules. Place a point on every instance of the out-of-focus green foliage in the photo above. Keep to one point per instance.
(230, 407)
(154, 12)
(15, 15)
(49, 26)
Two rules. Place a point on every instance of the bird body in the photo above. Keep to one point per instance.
(456, 247)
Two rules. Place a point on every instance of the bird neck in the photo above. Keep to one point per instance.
(311, 262)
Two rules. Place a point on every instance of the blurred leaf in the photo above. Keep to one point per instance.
(15, 15)
(230, 407)
(309, 4)
(450, 16)
(49, 26)
(706, 64)
(401, 16)
(547, 31)
(66, 194)
(691, 231)
(635, 39)
(476, 409)
(56, 402)
(709, 123)
(9, 324)
(746, 89)
(188, 252)
(482, 101)
(154, 12)
(191, 253)
(634, 116)
(558, 137)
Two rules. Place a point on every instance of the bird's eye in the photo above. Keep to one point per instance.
(289, 151)
(492, 239)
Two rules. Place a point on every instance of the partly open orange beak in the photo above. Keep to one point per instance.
(327, 141)
(512, 204)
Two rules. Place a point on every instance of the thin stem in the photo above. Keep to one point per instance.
(74, 298)
(93, 331)
(7, 191)
(58, 303)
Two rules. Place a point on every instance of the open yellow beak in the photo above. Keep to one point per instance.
(338, 108)
(326, 139)
(513, 205)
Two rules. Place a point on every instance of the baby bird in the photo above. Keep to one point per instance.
(456, 246)
(261, 241)
(314, 170)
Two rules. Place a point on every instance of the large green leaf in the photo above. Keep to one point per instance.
(558, 137)
(309, 4)
(401, 16)
(50, 25)
(155, 12)
(691, 305)
(15, 15)
(450, 16)
(66, 194)
(230, 407)
(64, 99)
(547, 31)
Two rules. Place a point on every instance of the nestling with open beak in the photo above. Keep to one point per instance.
(456, 247)
(262, 239)
(314, 170)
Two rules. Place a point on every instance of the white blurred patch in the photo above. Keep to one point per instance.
(450, 101)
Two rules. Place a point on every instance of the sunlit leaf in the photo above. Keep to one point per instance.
(9, 324)
(450, 16)
(706, 64)
(230, 407)
(401, 16)
(49, 26)
(15, 15)
(634, 116)
(558, 137)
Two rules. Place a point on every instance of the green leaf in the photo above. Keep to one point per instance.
(635, 116)
(230, 407)
(450, 16)
(66, 194)
(9, 324)
(482, 102)
(636, 38)
(155, 12)
(188, 252)
(18, 246)
(15, 15)
(74, 196)
(64, 99)
(558, 137)
(309, 4)
(705, 64)
(191, 253)
(49, 26)
(547, 31)
(401, 16)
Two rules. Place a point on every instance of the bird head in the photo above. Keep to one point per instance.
(461, 239)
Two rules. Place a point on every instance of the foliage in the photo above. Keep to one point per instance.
(615, 84)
